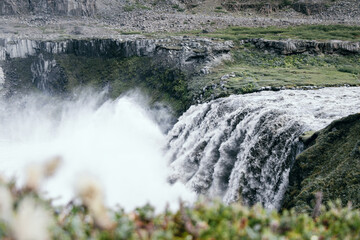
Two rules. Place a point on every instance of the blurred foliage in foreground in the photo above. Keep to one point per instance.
(26, 216)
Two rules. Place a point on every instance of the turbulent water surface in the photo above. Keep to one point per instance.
(242, 147)
(118, 142)
(239, 147)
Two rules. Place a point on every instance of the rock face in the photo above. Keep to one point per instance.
(331, 165)
(56, 7)
(21, 57)
(310, 7)
(184, 53)
(290, 46)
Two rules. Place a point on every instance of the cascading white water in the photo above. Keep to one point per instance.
(242, 147)
(116, 141)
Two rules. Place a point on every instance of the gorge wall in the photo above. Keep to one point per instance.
(162, 64)
(57, 7)
(291, 46)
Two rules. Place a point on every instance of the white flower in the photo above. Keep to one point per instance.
(90, 192)
(51, 166)
(36, 173)
(32, 221)
(34, 177)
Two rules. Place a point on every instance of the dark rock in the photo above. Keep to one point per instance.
(56, 7)
(290, 46)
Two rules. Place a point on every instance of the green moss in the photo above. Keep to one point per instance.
(122, 74)
(330, 165)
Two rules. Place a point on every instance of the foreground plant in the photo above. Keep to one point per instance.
(25, 215)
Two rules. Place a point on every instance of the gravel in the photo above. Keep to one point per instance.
(112, 21)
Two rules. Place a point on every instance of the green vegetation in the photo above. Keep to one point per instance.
(129, 33)
(178, 8)
(270, 6)
(252, 69)
(122, 74)
(135, 6)
(330, 165)
(129, 8)
(24, 215)
(307, 32)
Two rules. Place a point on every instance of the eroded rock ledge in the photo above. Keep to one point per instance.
(56, 7)
(183, 52)
(37, 60)
(290, 46)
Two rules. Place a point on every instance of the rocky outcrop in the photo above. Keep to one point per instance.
(182, 52)
(310, 7)
(56, 7)
(36, 60)
(290, 46)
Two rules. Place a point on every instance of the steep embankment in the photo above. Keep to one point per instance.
(331, 165)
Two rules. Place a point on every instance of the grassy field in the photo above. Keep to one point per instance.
(306, 32)
(252, 69)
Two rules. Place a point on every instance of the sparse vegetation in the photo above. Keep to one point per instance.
(129, 8)
(307, 32)
(135, 6)
(253, 69)
(178, 8)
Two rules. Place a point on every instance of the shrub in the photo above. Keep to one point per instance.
(349, 69)
(25, 215)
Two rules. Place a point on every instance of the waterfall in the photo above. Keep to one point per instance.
(120, 142)
(242, 147)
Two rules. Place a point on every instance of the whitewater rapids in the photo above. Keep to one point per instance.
(116, 141)
(242, 147)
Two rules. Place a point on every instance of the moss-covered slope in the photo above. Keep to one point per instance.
(331, 165)
(161, 83)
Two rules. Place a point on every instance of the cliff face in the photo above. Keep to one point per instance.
(188, 54)
(291, 46)
(331, 165)
(56, 7)
(164, 65)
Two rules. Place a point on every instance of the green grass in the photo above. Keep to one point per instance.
(128, 33)
(253, 69)
(136, 6)
(307, 32)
